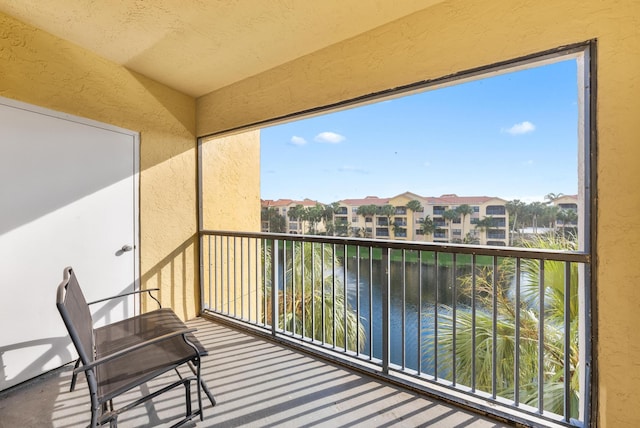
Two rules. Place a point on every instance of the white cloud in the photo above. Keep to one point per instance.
(329, 137)
(427, 164)
(298, 141)
(520, 128)
(528, 162)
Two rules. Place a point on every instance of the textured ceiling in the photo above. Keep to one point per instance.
(197, 46)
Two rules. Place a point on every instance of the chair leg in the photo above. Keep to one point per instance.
(74, 376)
(187, 398)
(94, 417)
(199, 380)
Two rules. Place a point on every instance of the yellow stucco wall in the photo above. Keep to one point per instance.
(461, 34)
(229, 167)
(231, 202)
(40, 69)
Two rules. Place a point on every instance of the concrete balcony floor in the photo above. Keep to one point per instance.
(256, 383)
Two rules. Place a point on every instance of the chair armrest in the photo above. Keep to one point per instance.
(148, 290)
(123, 352)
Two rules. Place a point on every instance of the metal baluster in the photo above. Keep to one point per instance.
(404, 308)
(516, 365)
(216, 286)
(419, 312)
(324, 334)
(302, 287)
(313, 291)
(344, 296)
(333, 293)
(358, 299)
(494, 332)
(541, 340)
(211, 285)
(386, 311)
(567, 341)
(274, 287)
(293, 287)
(370, 303)
(284, 285)
(454, 291)
(436, 325)
(242, 278)
(473, 323)
(228, 256)
(235, 274)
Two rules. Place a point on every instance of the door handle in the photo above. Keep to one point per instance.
(126, 248)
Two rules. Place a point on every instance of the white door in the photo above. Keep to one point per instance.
(68, 195)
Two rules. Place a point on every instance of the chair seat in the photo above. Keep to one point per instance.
(122, 374)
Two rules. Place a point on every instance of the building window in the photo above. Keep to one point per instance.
(382, 231)
(496, 234)
(496, 210)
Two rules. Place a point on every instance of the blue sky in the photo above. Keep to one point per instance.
(513, 136)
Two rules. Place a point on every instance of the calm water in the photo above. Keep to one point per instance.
(404, 317)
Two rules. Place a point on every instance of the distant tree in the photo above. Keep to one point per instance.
(328, 215)
(516, 209)
(535, 210)
(277, 222)
(464, 210)
(568, 219)
(450, 216)
(386, 211)
(298, 214)
(367, 212)
(551, 197)
(314, 215)
(550, 216)
(426, 225)
(485, 224)
(414, 206)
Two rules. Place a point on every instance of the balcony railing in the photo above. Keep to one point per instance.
(496, 325)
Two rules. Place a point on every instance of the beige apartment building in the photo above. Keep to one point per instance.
(293, 226)
(402, 223)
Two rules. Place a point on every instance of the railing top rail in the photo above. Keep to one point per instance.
(481, 250)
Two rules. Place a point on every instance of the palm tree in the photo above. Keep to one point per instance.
(277, 223)
(314, 216)
(328, 215)
(464, 210)
(551, 197)
(297, 213)
(415, 206)
(536, 209)
(568, 218)
(515, 208)
(386, 211)
(427, 226)
(367, 211)
(485, 225)
(450, 216)
(507, 312)
(309, 304)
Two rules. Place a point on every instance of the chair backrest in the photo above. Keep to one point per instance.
(76, 315)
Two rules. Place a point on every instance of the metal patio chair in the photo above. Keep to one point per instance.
(128, 353)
